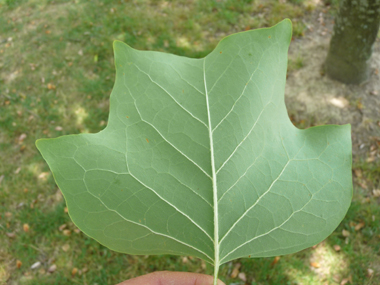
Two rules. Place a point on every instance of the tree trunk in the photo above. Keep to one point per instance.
(355, 31)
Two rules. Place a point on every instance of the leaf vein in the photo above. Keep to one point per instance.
(277, 227)
(254, 204)
(144, 226)
(163, 137)
(241, 95)
(237, 147)
(187, 111)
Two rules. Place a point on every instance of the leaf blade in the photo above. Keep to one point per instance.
(200, 158)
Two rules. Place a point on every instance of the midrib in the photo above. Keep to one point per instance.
(214, 185)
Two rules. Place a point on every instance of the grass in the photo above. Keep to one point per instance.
(56, 73)
(295, 63)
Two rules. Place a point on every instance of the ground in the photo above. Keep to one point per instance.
(310, 95)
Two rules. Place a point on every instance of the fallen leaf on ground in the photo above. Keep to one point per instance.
(242, 276)
(235, 271)
(43, 175)
(370, 159)
(359, 105)
(359, 226)
(339, 102)
(25, 227)
(51, 86)
(363, 184)
(66, 232)
(376, 192)
(21, 138)
(62, 227)
(373, 92)
(366, 200)
(18, 264)
(275, 260)
(11, 235)
(52, 268)
(358, 172)
(346, 280)
(370, 272)
(58, 128)
(65, 247)
(34, 202)
(74, 271)
(35, 265)
(345, 233)
(337, 247)
(315, 264)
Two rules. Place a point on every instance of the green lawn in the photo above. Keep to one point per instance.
(56, 75)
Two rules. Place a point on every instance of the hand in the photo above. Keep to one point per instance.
(171, 278)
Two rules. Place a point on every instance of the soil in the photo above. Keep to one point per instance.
(316, 99)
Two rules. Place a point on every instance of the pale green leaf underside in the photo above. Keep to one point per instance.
(144, 185)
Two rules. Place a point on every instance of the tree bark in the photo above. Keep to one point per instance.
(355, 31)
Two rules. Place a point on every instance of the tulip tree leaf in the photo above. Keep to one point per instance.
(199, 157)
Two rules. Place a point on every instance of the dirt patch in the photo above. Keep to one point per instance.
(317, 99)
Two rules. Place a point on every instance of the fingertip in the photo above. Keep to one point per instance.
(168, 277)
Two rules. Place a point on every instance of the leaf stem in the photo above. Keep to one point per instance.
(216, 271)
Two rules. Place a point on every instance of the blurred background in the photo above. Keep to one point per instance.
(56, 75)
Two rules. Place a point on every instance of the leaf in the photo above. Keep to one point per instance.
(200, 158)
(315, 264)
(337, 247)
(25, 227)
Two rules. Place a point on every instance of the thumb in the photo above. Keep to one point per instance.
(172, 278)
